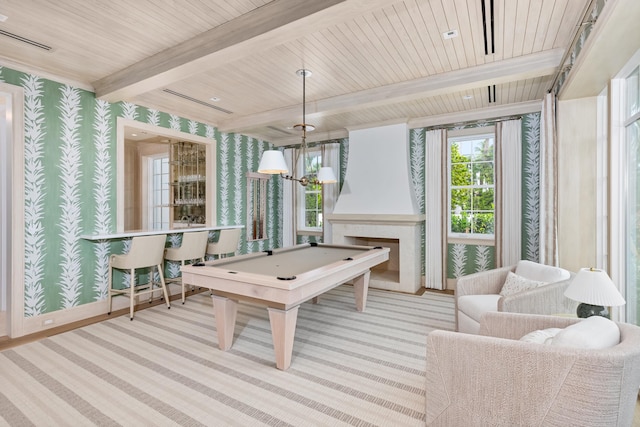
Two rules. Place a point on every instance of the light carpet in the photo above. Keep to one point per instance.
(164, 368)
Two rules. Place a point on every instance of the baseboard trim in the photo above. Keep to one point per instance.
(63, 320)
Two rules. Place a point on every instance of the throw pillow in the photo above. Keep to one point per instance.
(514, 284)
(595, 332)
(541, 336)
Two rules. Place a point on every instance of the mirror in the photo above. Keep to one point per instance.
(155, 179)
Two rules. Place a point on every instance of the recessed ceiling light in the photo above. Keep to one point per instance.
(214, 99)
(467, 97)
(3, 18)
(134, 134)
(450, 34)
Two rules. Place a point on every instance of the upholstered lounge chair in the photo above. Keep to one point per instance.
(480, 292)
(494, 379)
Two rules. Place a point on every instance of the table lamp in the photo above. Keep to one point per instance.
(595, 292)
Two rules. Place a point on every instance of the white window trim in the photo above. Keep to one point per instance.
(602, 178)
(617, 197)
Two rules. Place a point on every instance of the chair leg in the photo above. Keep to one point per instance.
(110, 285)
(151, 283)
(182, 283)
(132, 291)
(164, 287)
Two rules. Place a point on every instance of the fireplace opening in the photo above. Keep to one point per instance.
(388, 272)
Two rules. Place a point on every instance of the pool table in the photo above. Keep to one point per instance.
(282, 279)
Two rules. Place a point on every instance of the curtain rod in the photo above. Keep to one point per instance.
(314, 144)
(443, 126)
(474, 122)
(579, 30)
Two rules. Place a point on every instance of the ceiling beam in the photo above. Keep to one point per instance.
(514, 69)
(272, 24)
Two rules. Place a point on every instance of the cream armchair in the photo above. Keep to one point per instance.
(494, 379)
(480, 292)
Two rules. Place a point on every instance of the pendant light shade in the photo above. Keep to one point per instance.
(272, 162)
(326, 176)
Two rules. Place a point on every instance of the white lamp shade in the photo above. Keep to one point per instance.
(593, 286)
(272, 162)
(326, 176)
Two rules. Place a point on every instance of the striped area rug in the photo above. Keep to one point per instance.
(164, 368)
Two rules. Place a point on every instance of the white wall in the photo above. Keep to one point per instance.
(4, 207)
(378, 179)
(577, 209)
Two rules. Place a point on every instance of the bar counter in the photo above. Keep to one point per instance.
(129, 234)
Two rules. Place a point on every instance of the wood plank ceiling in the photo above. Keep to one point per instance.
(373, 61)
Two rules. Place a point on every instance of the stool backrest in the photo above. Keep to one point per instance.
(227, 242)
(194, 244)
(147, 250)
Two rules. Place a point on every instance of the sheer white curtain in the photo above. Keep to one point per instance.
(436, 211)
(330, 192)
(548, 183)
(289, 202)
(508, 221)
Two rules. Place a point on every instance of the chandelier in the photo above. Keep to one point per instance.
(272, 161)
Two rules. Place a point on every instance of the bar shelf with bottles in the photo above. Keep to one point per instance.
(188, 183)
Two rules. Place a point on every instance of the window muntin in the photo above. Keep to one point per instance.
(472, 185)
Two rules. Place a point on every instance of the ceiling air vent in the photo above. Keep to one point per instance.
(197, 101)
(279, 130)
(488, 26)
(25, 40)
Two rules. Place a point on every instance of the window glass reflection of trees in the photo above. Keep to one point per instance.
(472, 185)
(313, 193)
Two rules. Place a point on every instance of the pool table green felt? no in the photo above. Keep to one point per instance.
(282, 279)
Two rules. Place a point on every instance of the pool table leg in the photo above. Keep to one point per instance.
(225, 310)
(361, 289)
(283, 329)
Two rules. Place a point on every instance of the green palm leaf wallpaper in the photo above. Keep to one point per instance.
(69, 151)
(463, 259)
(34, 192)
(102, 195)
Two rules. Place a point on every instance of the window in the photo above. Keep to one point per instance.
(159, 192)
(310, 197)
(471, 185)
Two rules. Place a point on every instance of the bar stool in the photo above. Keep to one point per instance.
(227, 243)
(194, 245)
(145, 252)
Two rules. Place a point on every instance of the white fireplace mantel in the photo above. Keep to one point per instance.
(381, 219)
(403, 227)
